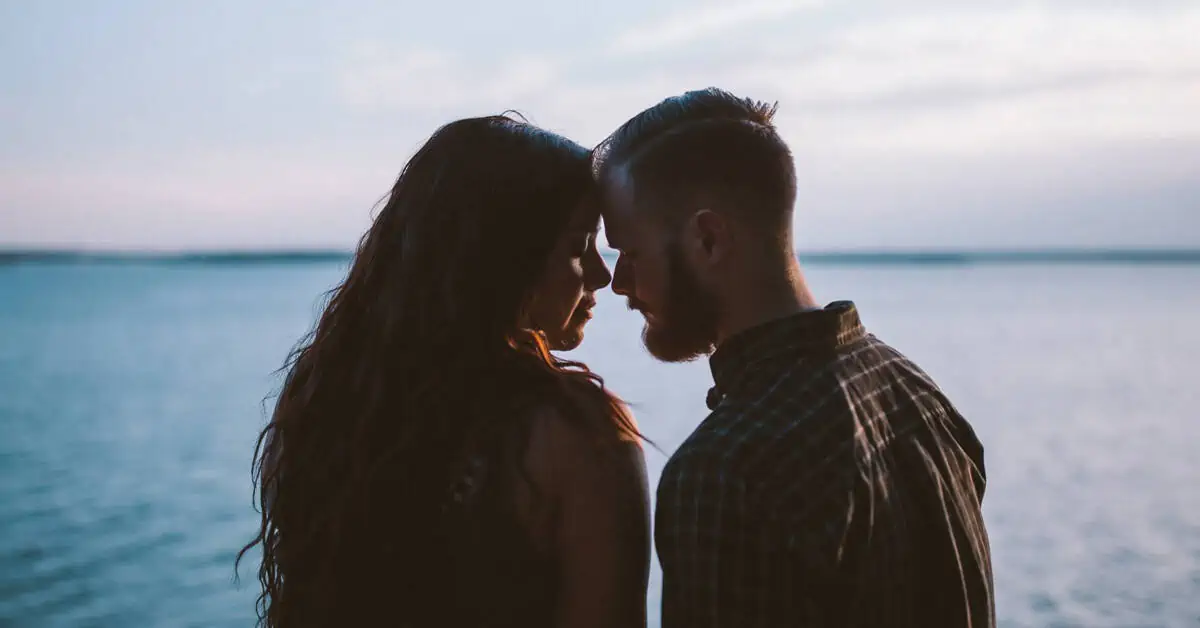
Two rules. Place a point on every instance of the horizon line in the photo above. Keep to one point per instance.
(848, 256)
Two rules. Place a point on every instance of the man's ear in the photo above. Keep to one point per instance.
(710, 237)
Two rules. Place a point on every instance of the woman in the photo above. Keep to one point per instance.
(429, 461)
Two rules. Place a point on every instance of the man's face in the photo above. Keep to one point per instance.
(651, 272)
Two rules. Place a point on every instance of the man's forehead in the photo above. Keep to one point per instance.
(615, 212)
(614, 227)
(617, 187)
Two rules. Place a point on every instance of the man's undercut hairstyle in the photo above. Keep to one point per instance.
(705, 149)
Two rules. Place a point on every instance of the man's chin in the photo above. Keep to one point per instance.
(666, 347)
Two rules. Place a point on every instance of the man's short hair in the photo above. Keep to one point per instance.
(706, 148)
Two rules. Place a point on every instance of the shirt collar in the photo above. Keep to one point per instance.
(831, 327)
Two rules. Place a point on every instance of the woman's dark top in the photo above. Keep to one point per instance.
(499, 576)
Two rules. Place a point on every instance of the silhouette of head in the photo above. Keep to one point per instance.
(482, 260)
(694, 187)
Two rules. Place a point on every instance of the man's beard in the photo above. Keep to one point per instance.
(685, 328)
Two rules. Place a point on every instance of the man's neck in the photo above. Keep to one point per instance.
(759, 302)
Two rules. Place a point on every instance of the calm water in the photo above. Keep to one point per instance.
(130, 397)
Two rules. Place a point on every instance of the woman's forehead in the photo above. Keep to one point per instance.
(586, 214)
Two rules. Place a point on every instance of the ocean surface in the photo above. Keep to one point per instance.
(131, 394)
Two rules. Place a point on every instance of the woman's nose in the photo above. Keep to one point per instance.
(596, 275)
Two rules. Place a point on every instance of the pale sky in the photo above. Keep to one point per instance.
(232, 124)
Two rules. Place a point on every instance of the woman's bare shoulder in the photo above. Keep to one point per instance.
(600, 526)
(586, 447)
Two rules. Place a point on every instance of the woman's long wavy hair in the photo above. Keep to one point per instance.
(420, 346)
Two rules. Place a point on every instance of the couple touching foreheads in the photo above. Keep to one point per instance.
(431, 461)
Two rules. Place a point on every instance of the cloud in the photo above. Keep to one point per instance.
(1114, 194)
(376, 78)
(698, 23)
(207, 200)
(997, 53)
(992, 78)
(910, 123)
(974, 80)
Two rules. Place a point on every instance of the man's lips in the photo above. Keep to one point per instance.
(641, 308)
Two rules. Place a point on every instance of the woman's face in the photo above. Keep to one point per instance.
(563, 299)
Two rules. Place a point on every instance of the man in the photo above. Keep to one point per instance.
(833, 483)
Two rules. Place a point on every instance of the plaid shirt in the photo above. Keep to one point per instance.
(833, 484)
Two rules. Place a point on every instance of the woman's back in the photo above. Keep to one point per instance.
(502, 573)
(550, 490)
(516, 517)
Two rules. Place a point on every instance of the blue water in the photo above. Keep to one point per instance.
(130, 396)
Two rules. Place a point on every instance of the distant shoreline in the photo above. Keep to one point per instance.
(946, 257)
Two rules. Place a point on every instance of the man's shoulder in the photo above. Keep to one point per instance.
(808, 382)
(706, 447)
(806, 413)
